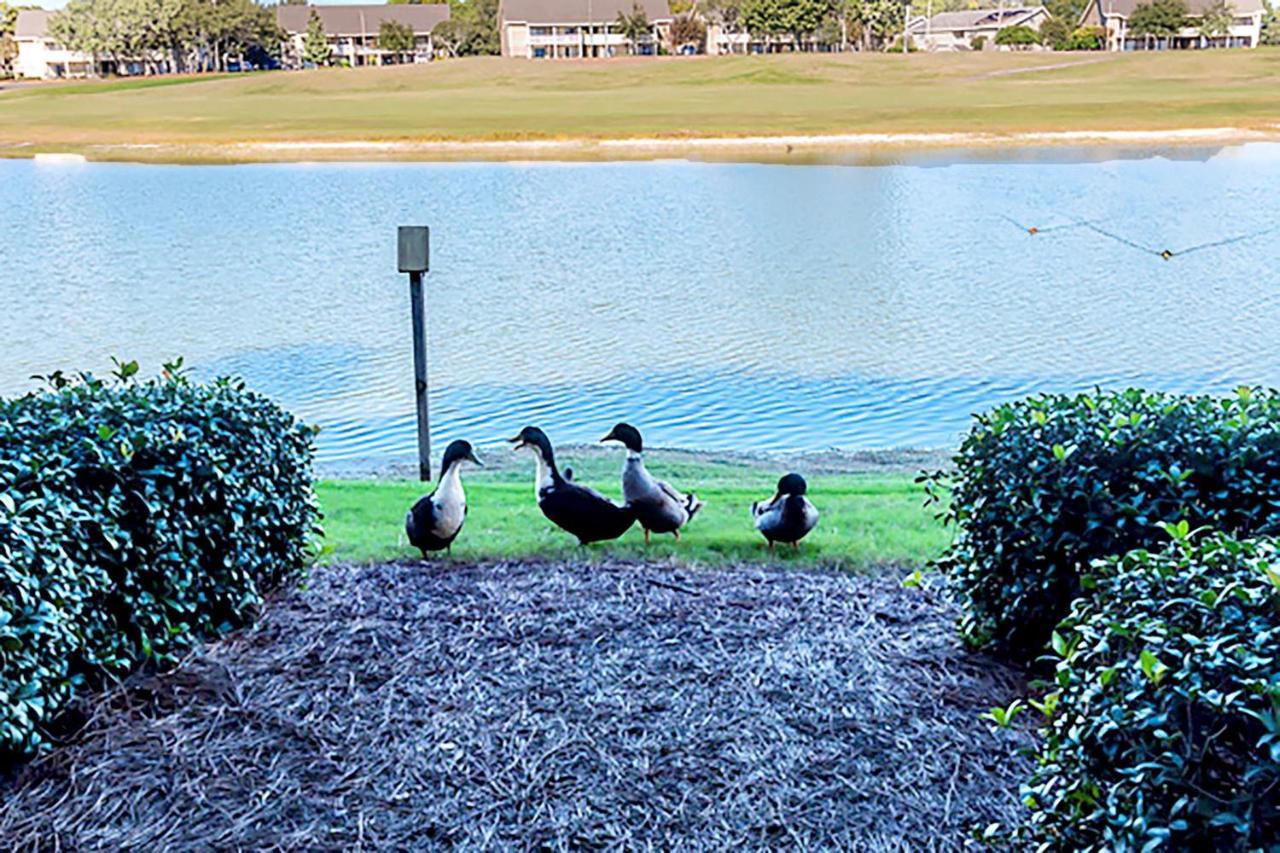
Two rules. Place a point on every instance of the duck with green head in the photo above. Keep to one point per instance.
(436, 520)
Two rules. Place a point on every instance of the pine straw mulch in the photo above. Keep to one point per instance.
(547, 706)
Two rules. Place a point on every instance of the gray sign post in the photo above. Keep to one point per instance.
(413, 249)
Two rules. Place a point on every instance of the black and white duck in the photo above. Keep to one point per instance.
(659, 507)
(572, 507)
(436, 520)
(788, 516)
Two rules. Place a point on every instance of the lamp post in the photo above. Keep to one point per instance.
(412, 245)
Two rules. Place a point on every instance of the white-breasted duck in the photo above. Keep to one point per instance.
(659, 507)
(436, 520)
(788, 516)
(572, 507)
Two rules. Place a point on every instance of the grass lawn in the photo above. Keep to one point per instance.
(867, 519)
(494, 99)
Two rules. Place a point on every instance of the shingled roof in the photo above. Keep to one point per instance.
(976, 19)
(363, 19)
(32, 24)
(1124, 8)
(578, 11)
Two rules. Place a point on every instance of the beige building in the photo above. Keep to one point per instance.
(577, 29)
(352, 31)
(1114, 15)
(957, 30)
(40, 58)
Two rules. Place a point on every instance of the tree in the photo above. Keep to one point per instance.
(315, 44)
(1216, 20)
(1087, 38)
(1158, 19)
(449, 36)
(846, 19)
(1270, 25)
(8, 47)
(479, 22)
(633, 27)
(1017, 37)
(1067, 11)
(724, 14)
(772, 19)
(688, 30)
(1055, 33)
(395, 38)
(880, 22)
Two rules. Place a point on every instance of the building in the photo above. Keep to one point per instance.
(576, 29)
(1113, 16)
(957, 30)
(722, 42)
(40, 58)
(352, 32)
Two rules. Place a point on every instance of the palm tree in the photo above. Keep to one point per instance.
(1216, 21)
(633, 27)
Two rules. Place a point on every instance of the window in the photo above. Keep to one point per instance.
(539, 53)
(539, 31)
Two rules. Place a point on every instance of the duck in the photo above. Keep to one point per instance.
(659, 507)
(436, 520)
(571, 506)
(788, 516)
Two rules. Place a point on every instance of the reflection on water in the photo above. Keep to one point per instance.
(719, 306)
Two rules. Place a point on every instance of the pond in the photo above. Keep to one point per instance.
(717, 306)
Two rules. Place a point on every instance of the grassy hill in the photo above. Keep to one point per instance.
(498, 99)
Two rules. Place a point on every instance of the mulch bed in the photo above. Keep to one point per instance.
(547, 705)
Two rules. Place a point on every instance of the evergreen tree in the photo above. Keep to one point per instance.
(315, 44)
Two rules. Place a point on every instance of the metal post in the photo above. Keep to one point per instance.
(419, 308)
(906, 30)
(413, 246)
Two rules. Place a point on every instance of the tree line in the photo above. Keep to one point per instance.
(169, 35)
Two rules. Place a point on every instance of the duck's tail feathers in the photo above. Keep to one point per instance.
(692, 505)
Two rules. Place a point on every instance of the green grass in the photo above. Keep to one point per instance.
(867, 519)
(488, 99)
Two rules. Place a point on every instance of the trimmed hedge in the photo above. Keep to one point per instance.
(136, 518)
(1165, 727)
(1046, 485)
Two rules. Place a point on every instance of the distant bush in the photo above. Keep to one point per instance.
(978, 42)
(1164, 730)
(135, 519)
(1017, 36)
(1044, 486)
(1087, 38)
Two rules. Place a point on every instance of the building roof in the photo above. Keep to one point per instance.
(1124, 8)
(363, 19)
(578, 11)
(32, 23)
(978, 19)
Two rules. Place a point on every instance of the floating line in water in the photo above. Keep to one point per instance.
(1035, 229)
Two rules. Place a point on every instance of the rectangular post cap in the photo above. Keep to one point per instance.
(412, 247)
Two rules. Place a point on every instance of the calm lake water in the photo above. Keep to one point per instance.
(752, 307)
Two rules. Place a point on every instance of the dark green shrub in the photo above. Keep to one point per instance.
(1044, 486)
(1165, 727)
(135, 519)
(1017, 36)
(978, 42)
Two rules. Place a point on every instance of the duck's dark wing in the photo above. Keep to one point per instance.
(420, 524)
(584, 512)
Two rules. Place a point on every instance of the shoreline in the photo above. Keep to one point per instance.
(837, 147)
(501, 462)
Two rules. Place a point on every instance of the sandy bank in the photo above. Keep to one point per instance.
(770, 148)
